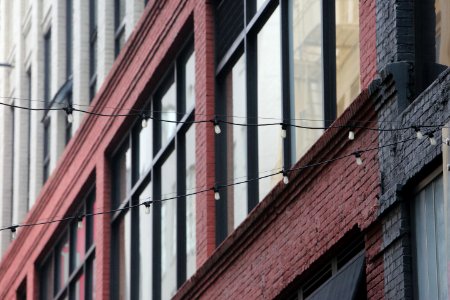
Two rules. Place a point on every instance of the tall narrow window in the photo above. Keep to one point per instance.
(92, 48)
(429, 242)
(68, 270)
(347, 53)
(119, 7)
(155, 167)
(47, 95)
(300, 67)
(270, 146)
(28, 181)
(442, 9)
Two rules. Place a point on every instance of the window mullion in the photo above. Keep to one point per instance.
(329, 61)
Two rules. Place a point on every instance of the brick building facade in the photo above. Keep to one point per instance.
(336, 229)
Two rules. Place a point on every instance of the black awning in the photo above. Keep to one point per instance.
(345, 284)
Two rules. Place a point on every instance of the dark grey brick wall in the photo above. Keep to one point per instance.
(395, 31)
(403, 165)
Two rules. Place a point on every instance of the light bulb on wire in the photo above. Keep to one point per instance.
(144, 120)
(13, 231)
(147, 207)
(217, 129)
(419, 134)
(69, 112)
(359, 160)
(285, 177)
(351, 135)
(432, 139)
(216, 193)
(283, 130)
(80, 221)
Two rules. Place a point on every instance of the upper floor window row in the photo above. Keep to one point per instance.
(279, 61)
(154, 248)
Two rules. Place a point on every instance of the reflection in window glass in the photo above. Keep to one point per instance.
(168, 229)
(168, 112)
(63, 264)
(237, 142)
(145, 247)
(308, 71)
(347, 53)
(270, 144)
(443, 32)
(124, 244)
(190, 82)
(190, 202)
(80, 241)
(79, 288)
(123, 176)
(145, 148)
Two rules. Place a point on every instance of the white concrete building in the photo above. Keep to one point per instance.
(52, 53)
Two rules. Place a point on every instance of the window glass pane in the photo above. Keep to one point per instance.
(168, 112)
(270, 147)
(80, 241)
(190, 202)
(122, 176)
(124, 244)
(347, 53)
(79, 288)
(429, 233)
(443, 32)
(168, 229)
(46, 280)
(145, 247)
(62, 263)
(190, 82)
(145, 148)
(237, 142)
(307, 64)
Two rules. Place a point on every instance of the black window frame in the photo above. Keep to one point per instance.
(48, 268)
(161, 152)
(245, 44)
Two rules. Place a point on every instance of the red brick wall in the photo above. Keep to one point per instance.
(298, 223)
(163, 31)
(368, 42)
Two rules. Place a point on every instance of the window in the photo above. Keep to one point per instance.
(341, 275)
(442, 9)
(430, 267)
(157, 162)
(119, 24)
(92, 48)
(47, 95)
(282, 61)
(29, 96)
(68, 271)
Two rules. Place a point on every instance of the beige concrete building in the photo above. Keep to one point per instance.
(53, 53)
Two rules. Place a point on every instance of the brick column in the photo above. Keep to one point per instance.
(102, 229)
(367, 36)
(204, 90)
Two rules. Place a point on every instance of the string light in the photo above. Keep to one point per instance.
(147, 207)
(432, 139)
(144, 120)
(216, 187)
(80, 221)
(357, 155)
(419, 133)
(13, 229)
(217, 129)
(447, 141)
(216, 193)
(283, 130)
(351, 134)
(285, 176)
(69, 111)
